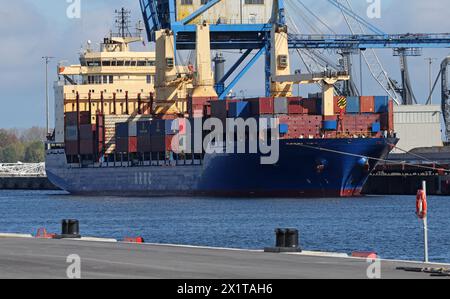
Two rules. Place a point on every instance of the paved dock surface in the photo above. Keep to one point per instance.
(38, 258)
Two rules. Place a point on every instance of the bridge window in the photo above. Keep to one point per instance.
(186, 2)
(150, 63)
(120, 63)
(93, 63)
(127, 63)
(254, 2)
(106, 63)
(141, 63)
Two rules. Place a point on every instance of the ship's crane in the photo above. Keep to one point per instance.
(256, 36)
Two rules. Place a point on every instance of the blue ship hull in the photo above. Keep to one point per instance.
(306, 168)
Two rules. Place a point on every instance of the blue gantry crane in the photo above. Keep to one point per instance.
(254, 36)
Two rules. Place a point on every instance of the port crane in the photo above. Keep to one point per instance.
(253, 36)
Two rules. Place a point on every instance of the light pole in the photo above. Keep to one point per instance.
(430, 74)
(47, 60)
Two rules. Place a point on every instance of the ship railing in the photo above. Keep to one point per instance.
(137, 163)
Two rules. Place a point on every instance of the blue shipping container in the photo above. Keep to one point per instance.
(381, 104)
(376, 127)
(330, 125)
(239, 109)
(143, 128)
(122, 129)
(352, 105)
(158, 127)
(284, 128)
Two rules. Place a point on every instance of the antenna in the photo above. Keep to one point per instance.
(123, 23)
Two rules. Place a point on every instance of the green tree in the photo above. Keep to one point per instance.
(13, 153)
(34, 152)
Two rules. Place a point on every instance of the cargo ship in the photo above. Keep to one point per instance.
(123, 127)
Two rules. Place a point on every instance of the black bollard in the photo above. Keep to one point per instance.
(280, 235)
(287, 240)
(70, 229)
(292, 238)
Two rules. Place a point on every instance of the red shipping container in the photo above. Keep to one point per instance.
(86, 147)
(367, 104)
(295, 105)
(169, 140)
(71, 148)
(87, 132)
(132, 145)
(262, 106)
(310, 106)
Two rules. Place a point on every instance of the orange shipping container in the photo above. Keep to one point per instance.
(367, 104)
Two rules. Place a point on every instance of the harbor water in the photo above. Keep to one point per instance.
(384, 224)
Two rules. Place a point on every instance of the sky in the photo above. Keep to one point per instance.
(31, 29)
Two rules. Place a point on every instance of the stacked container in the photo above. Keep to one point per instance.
(353, 105)
(143, 136)
(367, 104)
(262, 106)
(239, 110)
(281, 106)
(295, 105)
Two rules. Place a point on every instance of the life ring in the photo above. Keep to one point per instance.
(421, 204)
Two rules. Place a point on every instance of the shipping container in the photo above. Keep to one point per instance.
(122, 129)
(367, 104)
(127, 145)
(239, 110)
(86, 147)
(381, 104)
(169, 139)
(158, 143)
(71, 148)
(87, 132)
(132, 129)
(353, 105)
(295, 105)
(284, 128)
(311, 106)
(280, 106)
(376, 127)
(262, 106)
(219, 110)
(158, 127)
(330, 125)
(71, 118)
(143, 144)
(71, 133)
(143, 128)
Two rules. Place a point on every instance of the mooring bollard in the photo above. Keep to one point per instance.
(70, 229)
(286, 240)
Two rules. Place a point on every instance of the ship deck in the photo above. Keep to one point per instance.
(39, 258)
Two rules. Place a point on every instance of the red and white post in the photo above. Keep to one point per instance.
(421, 211)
